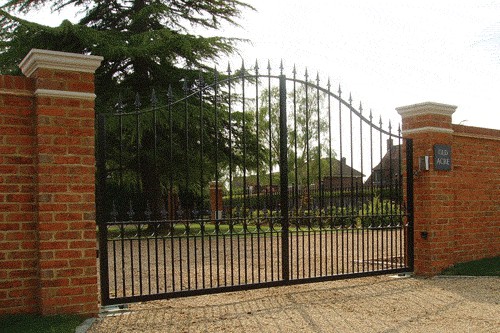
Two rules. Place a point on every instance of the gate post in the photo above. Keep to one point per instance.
(100, 209)
(429, 124)
(64, 181)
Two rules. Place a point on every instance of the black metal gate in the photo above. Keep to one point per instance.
(250, 181)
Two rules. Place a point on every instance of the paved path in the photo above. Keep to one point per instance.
(372, 304)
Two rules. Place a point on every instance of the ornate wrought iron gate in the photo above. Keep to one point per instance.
(253, 180)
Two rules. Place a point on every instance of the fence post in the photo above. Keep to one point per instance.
(64, 184)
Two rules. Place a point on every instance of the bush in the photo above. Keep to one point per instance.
(380, 213)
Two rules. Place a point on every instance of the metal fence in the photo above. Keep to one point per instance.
(251, 180)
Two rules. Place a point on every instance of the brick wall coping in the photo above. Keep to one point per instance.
(37, 58)
(66, 94)
(20, 92)
(476, 132)
(426, 108)
(428, 129)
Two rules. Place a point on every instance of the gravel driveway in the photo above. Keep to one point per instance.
(372, 304)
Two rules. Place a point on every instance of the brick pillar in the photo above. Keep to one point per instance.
(216, 205)
(429, 124)
(64, 199)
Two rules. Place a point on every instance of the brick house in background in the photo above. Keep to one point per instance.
(343, 175)
(389, 169)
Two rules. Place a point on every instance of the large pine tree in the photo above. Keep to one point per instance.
(146, 45)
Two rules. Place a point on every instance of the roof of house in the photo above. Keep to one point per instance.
(390, 161)
(347, 171)
(337, 166)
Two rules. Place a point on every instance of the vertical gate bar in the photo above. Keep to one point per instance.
(122, 242)
(120, 123)
(296, 171)
(115, 275)
(357, 228)
(217, 217)
(372, 194)
(381, 248)
(210, 266)
(120, 159)
(100, 208)
(154, 102)
(351, 234)
(157, 258)
(120, 182)
(164, 260)
(319, 187)
(284, 181)
(308, 181)
(216, 92)
(362, 192)
(185, 210)
(330, 185)
(148, 248)
(130, 213)
(270, 192)
(137, 105)
(245, 226)
(171, 211)
(181, 275)
(266, 234)
(231, 221)
(400, 199)
(200, 207)
(257, 129)
(391, 194)
(155, 214)
(410, 204)
(342, 208)
(139, 257)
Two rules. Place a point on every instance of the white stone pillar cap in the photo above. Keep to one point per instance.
(65, 61)
(426, 108)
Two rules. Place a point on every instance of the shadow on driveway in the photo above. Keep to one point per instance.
(372, 304)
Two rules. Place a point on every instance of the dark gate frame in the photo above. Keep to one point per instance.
(121, 243)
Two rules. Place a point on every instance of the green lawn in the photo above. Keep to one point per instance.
(483, 267)
(29, 323)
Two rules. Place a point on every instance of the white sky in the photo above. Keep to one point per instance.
(388, 53)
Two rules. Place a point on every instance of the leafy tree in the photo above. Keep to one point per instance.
(307, 133)
(146, 45)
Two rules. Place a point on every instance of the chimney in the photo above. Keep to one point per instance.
(389, 144)
(344, 161)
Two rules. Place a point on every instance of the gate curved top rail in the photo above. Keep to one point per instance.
(229, 79)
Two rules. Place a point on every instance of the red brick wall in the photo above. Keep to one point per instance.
(458, 210)
(18, 232)
(476, 197)
(47, 201)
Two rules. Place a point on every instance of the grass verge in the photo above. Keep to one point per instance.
(482, 267)
(30, 323)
